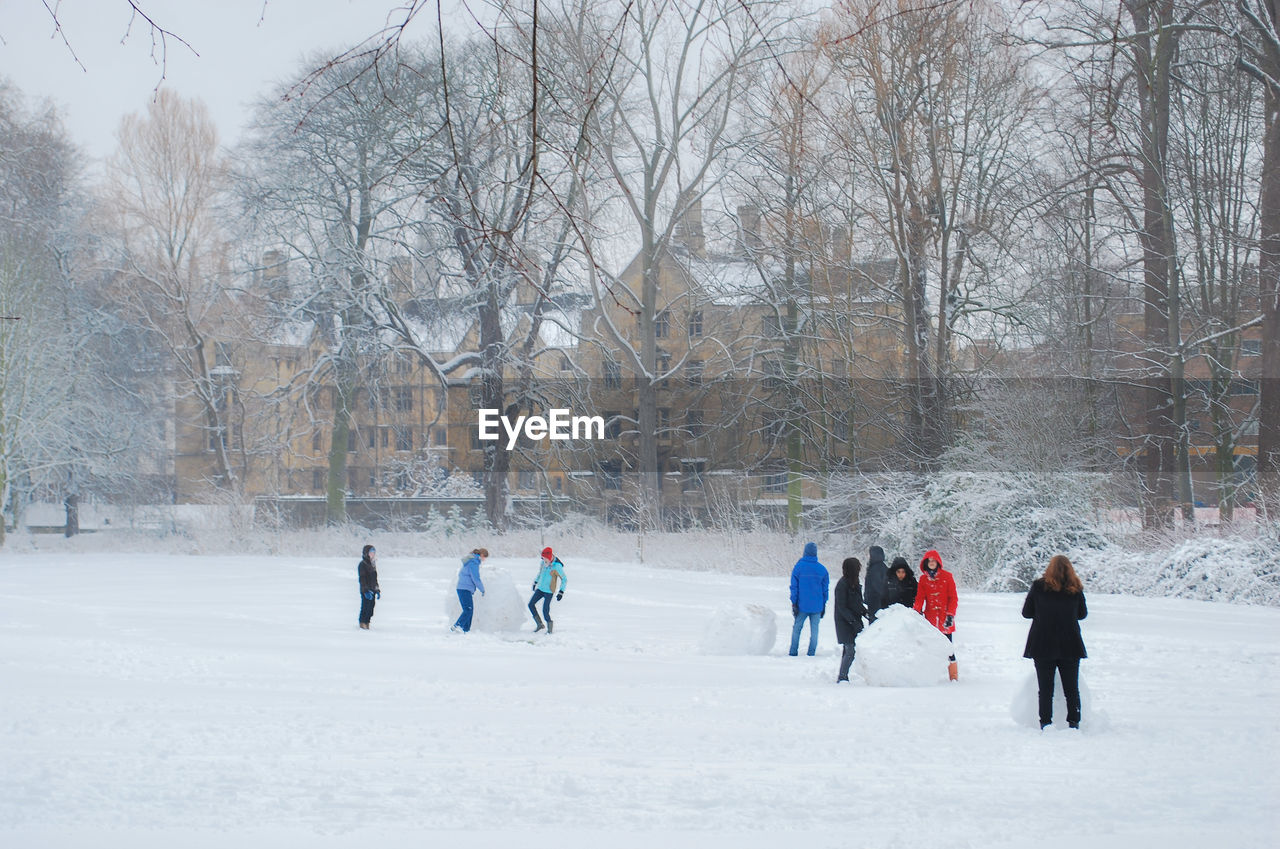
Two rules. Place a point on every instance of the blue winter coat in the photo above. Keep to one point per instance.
(809, 582)
(551, 577)
(469, 575)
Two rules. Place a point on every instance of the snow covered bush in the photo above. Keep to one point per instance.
(740, 629)
(901, 649)
(501, 608)
(1243, 569)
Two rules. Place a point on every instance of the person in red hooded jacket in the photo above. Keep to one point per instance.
(936, 598)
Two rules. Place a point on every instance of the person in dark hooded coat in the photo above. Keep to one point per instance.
(901, 586)
(370, 592)
(877, 578)
(849, 611)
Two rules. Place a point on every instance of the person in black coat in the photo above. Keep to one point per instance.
(849, 611)
(877, 578)
(369, 590)
(901, 586)
(1055, 605)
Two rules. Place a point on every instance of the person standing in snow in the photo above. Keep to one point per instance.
(877, 582)
(849, 611)
(551, 581)
(1055, 605)
(936, 598)
(901, 586)
(468, 582)
(809, 592)
(367, 572)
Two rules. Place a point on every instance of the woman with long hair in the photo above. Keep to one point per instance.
(1055, 605)
(850, 611)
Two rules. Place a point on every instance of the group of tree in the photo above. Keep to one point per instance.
(1034, 176)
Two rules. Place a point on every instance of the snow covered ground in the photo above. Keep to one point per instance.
(197, 701)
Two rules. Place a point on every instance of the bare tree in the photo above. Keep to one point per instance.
(159, 201)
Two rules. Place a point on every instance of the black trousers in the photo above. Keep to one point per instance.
(1068, 668)
(366, 609)
(546, 605)
(846, 660)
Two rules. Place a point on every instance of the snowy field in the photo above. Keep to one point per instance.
(194, 701)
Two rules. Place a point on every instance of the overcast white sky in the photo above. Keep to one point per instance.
(244, 47)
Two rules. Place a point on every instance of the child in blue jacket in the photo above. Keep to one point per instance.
(468, 582)
(551, 581)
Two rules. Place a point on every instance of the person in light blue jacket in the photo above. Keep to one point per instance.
(551, 581)
(468, 582)
(809, 583)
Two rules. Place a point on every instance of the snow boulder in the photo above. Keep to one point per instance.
(501, 608)
(1026, 704)
(901, 649)
(736, 629)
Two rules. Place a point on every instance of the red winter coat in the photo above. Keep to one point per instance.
(936, 597)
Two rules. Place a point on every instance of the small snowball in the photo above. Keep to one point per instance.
(738, 629)
(901, 649)
(501, 608)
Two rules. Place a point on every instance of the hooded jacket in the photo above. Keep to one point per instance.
(877, 574)
(368, 574)
(848, 609)
(469, 574)
(810, 582)
(936, 594)
(900, 592)
(551, 577)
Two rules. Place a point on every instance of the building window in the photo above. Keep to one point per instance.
(404, 439)
(662, 325)
(477, 478)
(772, 370)
(351, 441)
(693, 372)
(771, 326)
(664, 366)
(318, 479)
(557, 484)
(664, 417)
(373, 478)
(1244, 387)
(695, 324)
(1251, 347)
(612, 375)
(565, 365)
(611, 474)
(612, 424)
(691, 481)
(442, 436)
(526, 480)
(317, 441)
(693, 423)
(222, 354)
(404, 399)
(775, 481)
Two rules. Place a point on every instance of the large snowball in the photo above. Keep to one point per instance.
(901, 649)
(1026, 704)
(740, 629)
(501, 608)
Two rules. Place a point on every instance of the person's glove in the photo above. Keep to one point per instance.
(377, 594)
(949, 622)
(482, 592)
(795, 609)
(559, 595)
(367, 596)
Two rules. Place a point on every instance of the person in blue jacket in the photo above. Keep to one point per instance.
(809, 582)
(468, 582)
(551, 581)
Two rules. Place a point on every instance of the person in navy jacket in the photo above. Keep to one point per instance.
(468, 582)
(809, 584)
(1055, 605)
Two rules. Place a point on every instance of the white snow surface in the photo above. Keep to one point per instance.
(740, 629)
(168, 700)
(901, 649)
